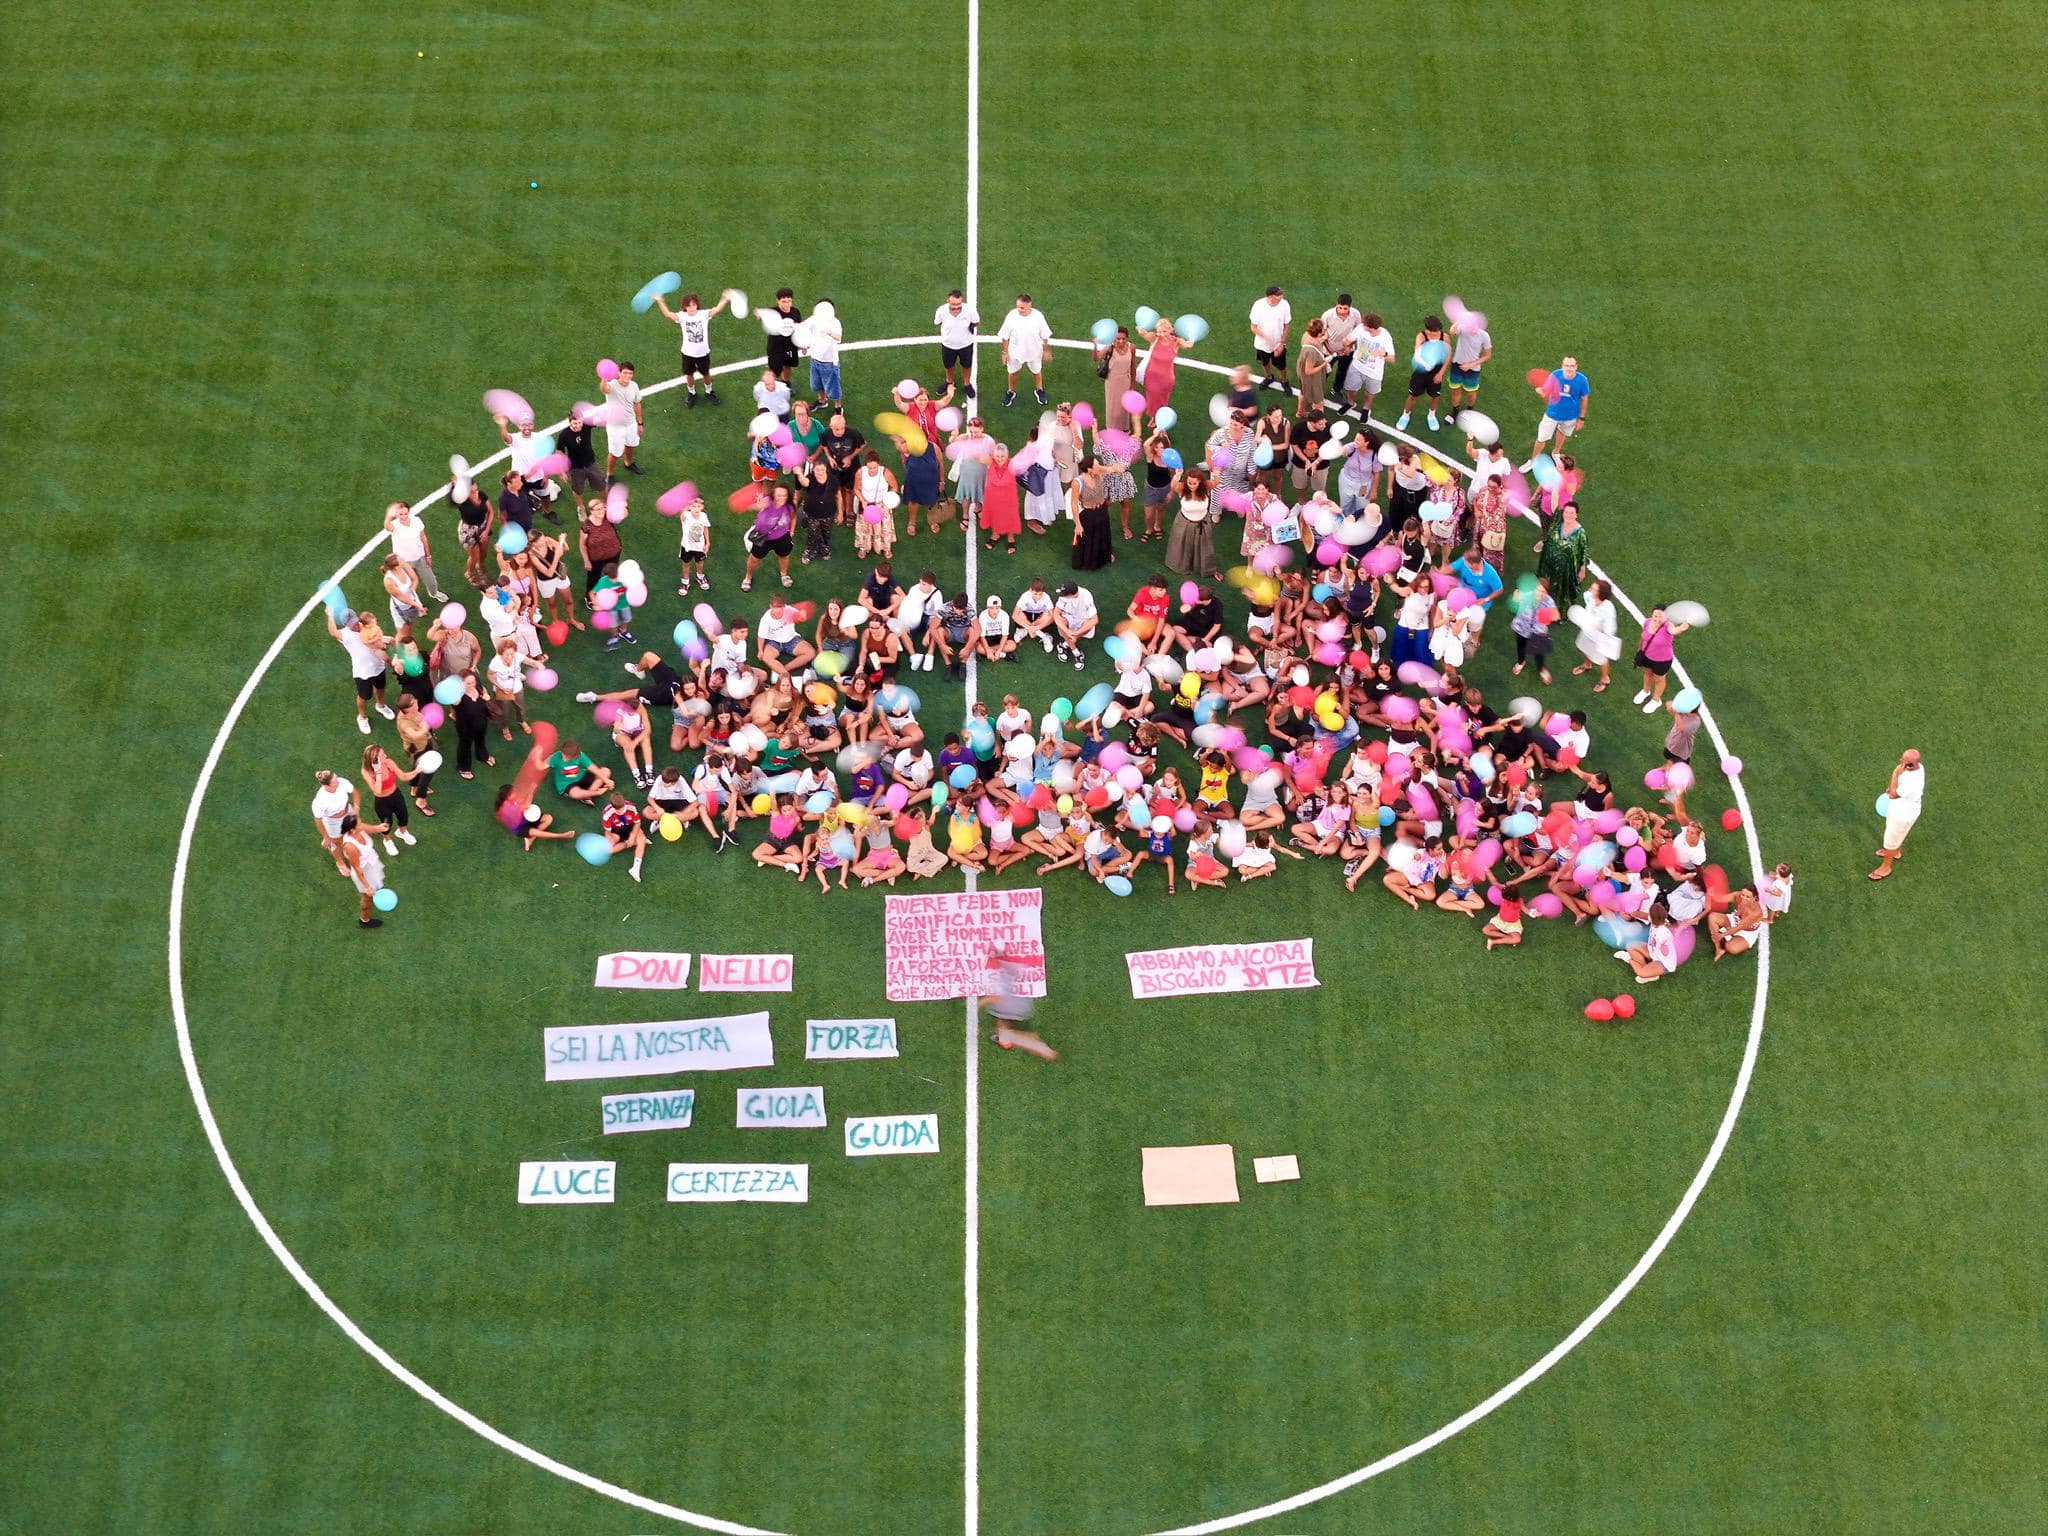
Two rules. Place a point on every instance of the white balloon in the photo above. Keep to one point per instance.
(891, 500)
(458, 467)
(1480, 427)
(763, 424)
(430, 761)
(1692, 615)
(1387, 455)
(1231, 839)
(739, 302)
(1339, 430)
(1219, 409)
(803, 336)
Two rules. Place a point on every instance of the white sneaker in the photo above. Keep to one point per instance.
(385, 711)
(390, 847)
(587, 697)
(363, 724)
(1641, 694)
(1650, 707)
(1046, 641)
(1434, 424)
(405, 836)
(636, 669)
(634, 872)
(1401, 425)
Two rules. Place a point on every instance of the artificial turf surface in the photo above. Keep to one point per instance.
(261, 265)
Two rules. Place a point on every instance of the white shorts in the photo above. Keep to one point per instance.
(1025, 363)
(1550, 424)
(1367, 379)
(554, 588)
(1897, 823)
(618, 439)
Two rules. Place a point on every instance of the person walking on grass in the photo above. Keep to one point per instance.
(1023, 338)
(695, 323)
(357, 858)
(1901, 809)
(1565, 394)
(1009, 1003)
(622, 433)
(957, 321)
(365, 663)
(1271, 319)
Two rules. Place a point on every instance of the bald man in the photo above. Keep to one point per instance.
(1902, 810)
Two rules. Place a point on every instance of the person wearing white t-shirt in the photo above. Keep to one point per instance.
(957, 321)
(1341, 326)
(622, 437)
(1368, 372)
(772, 395)
(408, 532)
(826, 334)
(527, 451)
(1488, 463)
(780, 646)
(333, 798)
(695, 323)
(365, 665)
(992, 631)
(1271, 318)
(1033, 612)
(1074, 616)
(1902, 809)
(1024, 338)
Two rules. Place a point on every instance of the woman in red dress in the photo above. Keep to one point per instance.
(999, 519)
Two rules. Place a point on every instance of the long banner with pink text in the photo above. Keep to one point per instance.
(1272, 966)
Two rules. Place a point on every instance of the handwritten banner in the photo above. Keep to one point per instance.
(1269, 967)
(668, 1111)
(647, 970)
(553, 1183)
(891, 1135)
(802, 1107)
(849, 1039)
(577, 1052)
(738, 1183)
(745, 973)
(937, 947)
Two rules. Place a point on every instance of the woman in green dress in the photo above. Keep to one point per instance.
(1561, 555)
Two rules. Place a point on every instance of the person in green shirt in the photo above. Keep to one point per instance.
(804, 427)
(572, 773)
(622, 611)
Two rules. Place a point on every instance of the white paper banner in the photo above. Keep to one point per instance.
(646, 970)
(668, 1111)
(567, 1183)
(891, 1135)
(576, 1052)
(802, 1107)
(1273, 966)
(745, 973)
(849, 1039)
(739, 1183)
(937, 947)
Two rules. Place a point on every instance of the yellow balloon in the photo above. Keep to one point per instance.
(854, 815)
(896, 424)
(1065, 804)
(1190, 685)
(1434, 471)
(671, 826)
(763, 804)
(915, 441)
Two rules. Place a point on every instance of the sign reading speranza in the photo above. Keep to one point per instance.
(891, 1135)
(582, 1183)
(849, 1039)
(734, 1183)
(802, 1107)
(745, 973)
(576, 1052)
(669, 1111)
(1273, 966)
(939, 946)
(646, 970)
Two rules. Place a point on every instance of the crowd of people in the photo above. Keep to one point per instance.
(1308, 700)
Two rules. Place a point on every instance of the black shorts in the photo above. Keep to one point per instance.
(760, 547)
(687, 555)
(371, 687)
(956, 357)
(700, 366)
(1655, 668)
(781, 353)
(1271, 359)
(1430, 384)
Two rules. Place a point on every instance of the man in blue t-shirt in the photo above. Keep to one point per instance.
(1483, 582)
(1565, 394)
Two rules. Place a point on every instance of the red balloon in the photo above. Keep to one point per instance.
(1731, 819)
(1041, 798)
(1021, 814)
(745, 499)
(558, 633)
(1538, 377)
(1625, 1006)
(1096, 798)
(1301, 696)
(1600, 1010)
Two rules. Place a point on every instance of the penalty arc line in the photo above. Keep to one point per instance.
(195, 1084)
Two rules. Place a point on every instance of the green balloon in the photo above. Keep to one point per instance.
(938, 795)
(1064, 708)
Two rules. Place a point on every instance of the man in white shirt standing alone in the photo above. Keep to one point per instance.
(957, 322)
(1023, 339)
(1271, 318)
(1902, 809)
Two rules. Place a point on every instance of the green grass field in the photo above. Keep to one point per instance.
(261, 264)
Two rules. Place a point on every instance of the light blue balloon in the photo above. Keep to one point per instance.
(512, 540)
(1170, 457)
(1545, 469)
(1094, 701)
(337, 605)
(1619, 932)
(1117, 885)
(938, 796)
(1104, 332)
(685, 633)
(1262, 455)
(1431, 354)
(1320, 591)
(1191, 328)
(448, 692)
(385, 899)
(1147, 317)
(1884, 804)
(842, 847)
(1687, 701)
(961, 777)
(1164, 419)
(819, 803)
(1521, 824)
(595, 850)
(667, 283)
(1386, 815)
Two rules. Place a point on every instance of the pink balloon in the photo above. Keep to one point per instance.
(1274, 515)
(1633, 859)
(607, 370)
(1548, 904)
(542, 679)
(434, 716)
(1458, 599)
(604, 618)
(1468, 817)
(1397, 766)
(615, 503)
(1441, 582)
(452, 616)
(1084, 415)
(1678, 777)
(1329, 653)
(1627, 836)
(1454, 739)
(907, 390)
(1731, 766)
(1184, 819)
(1239, 502)
(896, 797)
(789, 455)
(1423, 801)
(1400, 709)
(1122, 444)
(1494, 894)
(1654, 779)
(605, 598)
(1486, 854)
(1381, 560)
(1328, 552)
(1601, 894)
(1133, 401)
(1682, 942)
(1114, 756)
(948, 418)
(781, 437)
(503, 402)
(871, 513)
(606, 712)
(676, 498)
(554, 464)
(1272, 558)
(1608, 821)
(1454, 308)
(583, 410)
(707, 619)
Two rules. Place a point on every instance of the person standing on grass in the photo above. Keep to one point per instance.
(333, 799)
(695, 323)
(555, 598)
(842, 446)
(771, 394)
(1272, 317)
(597, 544)
(408, 532)
(1565, 393)
(402, 587)
(957, 321)
(1471, 350)
(1315, 368)
(1599, 634)
(1368, 373)
(780, 323)
(622, 437)
(774, 521)
(365, 663)
(1902, 809)
(1654, 655)
(574, 442)
(1023, 338)
(1158, 377)
(387, 783)
(826, 336)
(357, 858)
(474, 516)
(1561, 555)
(1341, 327)
(1117, 365)
(1426, 377)
(540, 490)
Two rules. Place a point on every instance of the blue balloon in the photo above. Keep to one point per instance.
(961, 776)
(594, 848)
(1117, 885)
(1263, 455)
(667, 283)
(1619, 932)
(1164, 419)
(819, 803)
(1170, 457)
(1545, 469)
(1430, 354)
(1386, 815)
(1191, 328)
(842, 847)
(896, 699)
(1208, 707)
(337, 605)
(1521, 824)
(1104, 332)
(1094, 701)
(685, 633)
(512, 540)
(1320, 591)
(1884, 805)
(385, 899)
(1687, 701)
(1147, 317)
(938, 796)
(448, 692)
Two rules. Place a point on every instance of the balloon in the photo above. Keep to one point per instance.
(1731, 766)
(1219, 409)
(1165, 418)
(1262, 455)
(503, 402)
(1692, 615)
(1687, 701)
(961, 776)
(1521, 824)
(1437, 473)
(676, 498)
(763, 425)
(789, 455)
(1625, 1006)
(1633, 859)
(607, 370)
(746, 498)
(948, 418)
(906, 389)
(541, 679)
(1619, 933)
(1430, 354)
(1191, 329)
(1104, 332)
(1884, 805)
(615, 504)
(1678, 778)
(448, 691)
(1537, 377)
(1147, 318)
(1731, 819)
(1480, 427)
(1133, 400)
(1600, 1010)
(595, 850)
(512, 540)
(1547, 904)
(665, 284)
(1084, 415)
(384, 900)
(1117, 885)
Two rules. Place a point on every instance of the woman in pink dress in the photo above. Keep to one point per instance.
(999, 519)
(1159, 366)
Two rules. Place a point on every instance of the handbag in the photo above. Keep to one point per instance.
(1102, 364)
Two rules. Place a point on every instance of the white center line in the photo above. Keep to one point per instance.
(971, 1347)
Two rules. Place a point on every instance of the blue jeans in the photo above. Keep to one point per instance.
(825, 380)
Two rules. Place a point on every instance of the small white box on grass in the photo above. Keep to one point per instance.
(1276, 1170)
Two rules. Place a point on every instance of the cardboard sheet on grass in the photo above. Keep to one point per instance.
(1191, 1175)
(936, 947)
(1275, 965)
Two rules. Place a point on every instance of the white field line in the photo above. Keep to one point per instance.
(971, 1142)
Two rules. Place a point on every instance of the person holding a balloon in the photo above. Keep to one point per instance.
(1426, 371)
